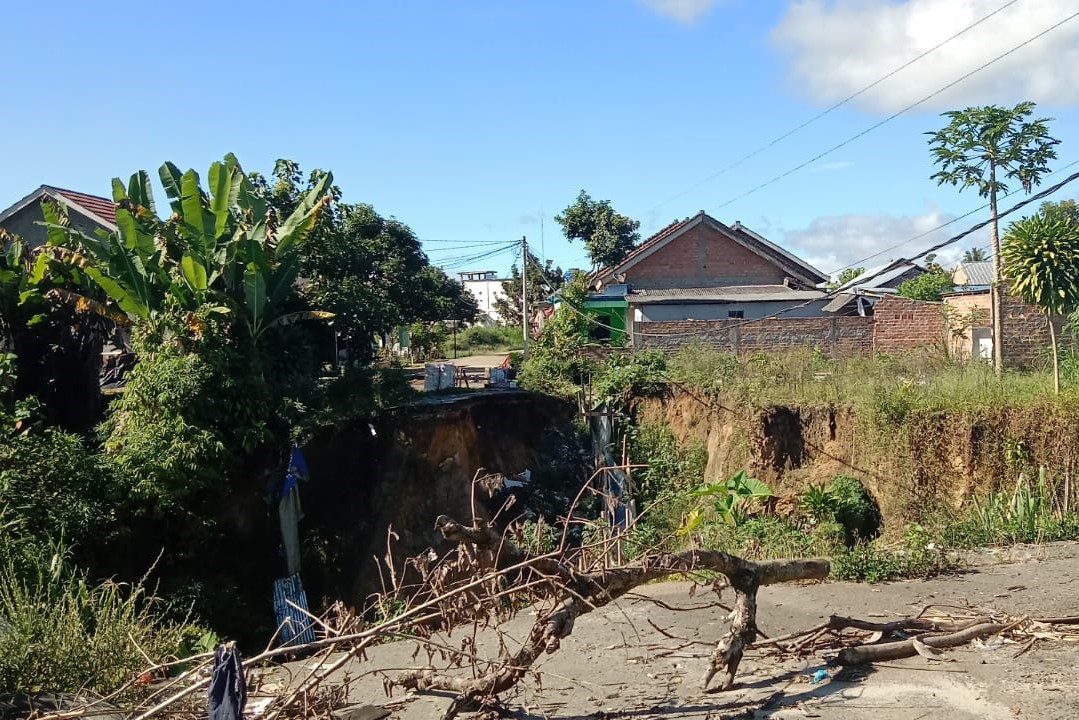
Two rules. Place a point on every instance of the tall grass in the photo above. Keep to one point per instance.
(926, 379)
(61, 632)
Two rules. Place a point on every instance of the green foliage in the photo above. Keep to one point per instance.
(495, 338)
(981, 146)
(845, 276)
(54, 485)
(219, 249)
(1040, 256)
(1028, 514)
(368, 270)
(670, 469)
(929, 285)
(428, 340)
(609, 236)
(732, 500)
(974, 255)
(59, 631)
(554, 365)
(622, 376)
(544, 280)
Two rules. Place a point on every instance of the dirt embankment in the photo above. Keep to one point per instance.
(415, 463)
(921, 461)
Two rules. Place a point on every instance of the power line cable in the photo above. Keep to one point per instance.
(836, 106)
(834, 293)
(896, 114)
(858, 263)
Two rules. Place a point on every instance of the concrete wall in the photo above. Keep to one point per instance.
(486, 293)
(703, 257)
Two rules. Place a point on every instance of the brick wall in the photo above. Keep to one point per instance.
(901, 324)
(703, 257)
(835, 336)
(1026, 333)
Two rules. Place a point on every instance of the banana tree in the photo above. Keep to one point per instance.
(219, 249)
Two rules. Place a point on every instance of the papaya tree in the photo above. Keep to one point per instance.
(983, 148)
(1040, 256)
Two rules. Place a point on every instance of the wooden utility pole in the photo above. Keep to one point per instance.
(524, 294)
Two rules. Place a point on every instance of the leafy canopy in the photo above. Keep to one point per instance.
(1040, 256)
(609, 236)
(982, 143)
(543, 281)
(930, 285)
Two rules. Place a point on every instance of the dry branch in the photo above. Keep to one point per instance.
(578, 593)
(862, 654)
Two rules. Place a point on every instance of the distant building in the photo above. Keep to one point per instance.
(486, 287)
(86, 213)
(700, 270)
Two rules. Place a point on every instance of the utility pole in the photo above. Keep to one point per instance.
(524, 293)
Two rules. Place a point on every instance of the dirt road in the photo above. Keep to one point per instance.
(617, 664)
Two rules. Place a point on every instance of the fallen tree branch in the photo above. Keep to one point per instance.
(863, 654)
(580, 593)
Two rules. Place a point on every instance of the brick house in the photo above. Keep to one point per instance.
(700, 269)
(86, 213)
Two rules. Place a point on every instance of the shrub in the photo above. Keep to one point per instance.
(53, 484)
(62, 633)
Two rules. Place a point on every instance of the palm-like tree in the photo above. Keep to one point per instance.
(1040, 256)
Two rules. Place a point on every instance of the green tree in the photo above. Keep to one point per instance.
(544, 279)
(845, 276)
(609, 236)
(981, 147)
(369, 271)
(1040, 257)
(974, 255)
(930, 285)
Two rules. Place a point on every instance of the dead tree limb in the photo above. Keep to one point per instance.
(579, 593)
(862, 654)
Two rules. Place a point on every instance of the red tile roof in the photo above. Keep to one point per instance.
(102, 207)
(654, 239)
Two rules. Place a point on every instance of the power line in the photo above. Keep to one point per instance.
(836, 106)
(834, 293)
(894, 115)
(858, 263)
(457, 262)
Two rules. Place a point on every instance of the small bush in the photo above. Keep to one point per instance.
(59, 632)
(480, 338)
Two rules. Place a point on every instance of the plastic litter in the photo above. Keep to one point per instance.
(818, 676)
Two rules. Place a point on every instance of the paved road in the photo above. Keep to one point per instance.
(617, 664)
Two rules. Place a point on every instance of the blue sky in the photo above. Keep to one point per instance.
(479, 121)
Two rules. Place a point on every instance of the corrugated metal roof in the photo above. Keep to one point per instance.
(880, 276)
(978, 273)
(732, 293)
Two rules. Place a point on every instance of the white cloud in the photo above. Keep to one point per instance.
(686, 11)
(837, 47)
(838, 241)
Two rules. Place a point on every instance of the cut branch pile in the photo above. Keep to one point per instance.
(933, 630)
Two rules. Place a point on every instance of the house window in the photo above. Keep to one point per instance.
(736, 314)
(601, 328)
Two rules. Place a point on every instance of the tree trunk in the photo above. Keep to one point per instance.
(994, 289)
(1056, 355)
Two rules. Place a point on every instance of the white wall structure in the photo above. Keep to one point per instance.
(486, 287)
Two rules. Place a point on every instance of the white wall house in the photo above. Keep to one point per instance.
(486, 287)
